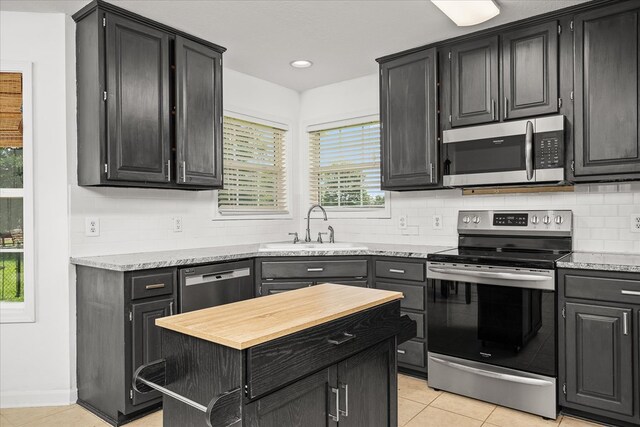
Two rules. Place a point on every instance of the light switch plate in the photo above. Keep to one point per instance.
(437, 222)
(635, 223)
(92, 226)
(177, 224)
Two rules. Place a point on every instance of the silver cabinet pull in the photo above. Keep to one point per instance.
(506, 107)
(169, 170)
(335, 417)
(626, 292)
(314, 269)
(401, 351)
(528, 150)
(343, 338)
(184, 171)
(395, 270)
(155, 286)
(625, 323)
(171, 308)
(493, 109)
(345, 387)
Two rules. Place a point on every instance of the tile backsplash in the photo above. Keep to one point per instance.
(602, 216)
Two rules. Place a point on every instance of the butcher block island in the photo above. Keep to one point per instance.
(318, 356)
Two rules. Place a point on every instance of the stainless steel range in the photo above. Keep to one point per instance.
(492, 308)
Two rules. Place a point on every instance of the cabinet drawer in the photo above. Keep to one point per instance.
(270, 288)
(412, 353)
(413, 294)
(401, 270)
(315, 269)
(283, 360)
(602, 288)
(419, 319)
(152, 283)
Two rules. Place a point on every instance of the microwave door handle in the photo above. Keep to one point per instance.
(489, 275)
(528, 150)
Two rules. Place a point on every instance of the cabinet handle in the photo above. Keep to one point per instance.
(345, 337)
(335, 417)
(314, 269)
(493, 109)
(171, 308)
(625, 323)
(506, 107)
(168, 170)
(401, 351)
(184, 171)
(634, 293)
(394, 270)
(156, 286)
(346, 400)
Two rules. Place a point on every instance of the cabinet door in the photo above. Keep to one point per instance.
(474, 82)
(599, 354)
(530, 71)
(199, 114)
(607, 96)
(138, 118)
(367, 384)
(147, 339)
(408, 107)
(309, 402)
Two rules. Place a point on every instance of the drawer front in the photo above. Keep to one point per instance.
(602, 288)
(313, 269)
(412, 353)
(270, 288)
(400, 270)
(419, 319)
(413, 294)
(152, 283)
(358, 283)
(284, 360)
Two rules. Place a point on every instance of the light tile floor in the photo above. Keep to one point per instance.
(418, 406)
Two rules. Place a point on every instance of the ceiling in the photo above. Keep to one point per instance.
(342, 38)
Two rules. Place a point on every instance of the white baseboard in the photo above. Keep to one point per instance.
(22, 399)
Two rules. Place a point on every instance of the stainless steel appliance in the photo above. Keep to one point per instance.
(515, 152)
(491, 308)
(215, 284)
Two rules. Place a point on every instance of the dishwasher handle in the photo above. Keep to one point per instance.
(217, 277)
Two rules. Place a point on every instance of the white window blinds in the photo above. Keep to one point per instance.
(254, 168)
(345, 166)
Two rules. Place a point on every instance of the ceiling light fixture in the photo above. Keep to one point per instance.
(468, 12)
(301, 63)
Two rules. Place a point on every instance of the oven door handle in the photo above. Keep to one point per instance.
(528, 150)
(496, 375)
(489, 275)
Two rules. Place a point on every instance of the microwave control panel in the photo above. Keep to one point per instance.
(549, 151)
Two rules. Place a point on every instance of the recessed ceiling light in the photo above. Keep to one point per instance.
(301, 63)
(468, 12)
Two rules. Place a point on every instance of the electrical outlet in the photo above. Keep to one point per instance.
(92, 227)
(403, 222)
(177, 224)
(437, 222)
(635, 223)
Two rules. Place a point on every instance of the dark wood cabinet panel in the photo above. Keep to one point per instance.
(599, 357)
(137, 101)
(607, 96)
(198, 114)
(408, 111)
(474, 82)
(530, 71)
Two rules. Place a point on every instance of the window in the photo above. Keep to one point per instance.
(16, 231)
(254, 168)
(345, 167)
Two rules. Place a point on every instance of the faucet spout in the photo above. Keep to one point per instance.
(307, 237)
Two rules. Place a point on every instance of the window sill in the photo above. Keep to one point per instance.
(243, 216)
(16, 312)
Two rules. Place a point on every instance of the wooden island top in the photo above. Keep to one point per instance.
(247, 323)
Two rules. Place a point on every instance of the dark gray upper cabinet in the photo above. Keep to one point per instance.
(607, 96)
(149, 103)
(137, 101)
(474, 82)
(199, 113)
(530, 71)
(408, 111)
(599, 357)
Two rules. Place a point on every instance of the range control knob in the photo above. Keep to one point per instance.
(559, 220)
(534, 219)
(546, 219)
(466, 220)
(476, 219)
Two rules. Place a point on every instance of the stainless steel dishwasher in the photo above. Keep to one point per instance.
(215, 284)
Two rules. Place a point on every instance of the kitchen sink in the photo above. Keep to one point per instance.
(268, 247)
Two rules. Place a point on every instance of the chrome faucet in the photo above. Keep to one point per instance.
(307, 237)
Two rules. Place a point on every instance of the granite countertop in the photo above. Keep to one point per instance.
(601, 261)
(180, 257)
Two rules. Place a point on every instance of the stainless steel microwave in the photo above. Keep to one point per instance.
(517, 152)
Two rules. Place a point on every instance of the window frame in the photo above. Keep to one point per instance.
(267, 120)
(24, 312)
(331, 123)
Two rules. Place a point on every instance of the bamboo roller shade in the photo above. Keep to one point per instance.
(10, 110)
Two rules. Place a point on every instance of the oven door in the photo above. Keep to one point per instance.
(496, 315)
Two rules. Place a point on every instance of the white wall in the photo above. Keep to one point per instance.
(602, 212)
(35, 357)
